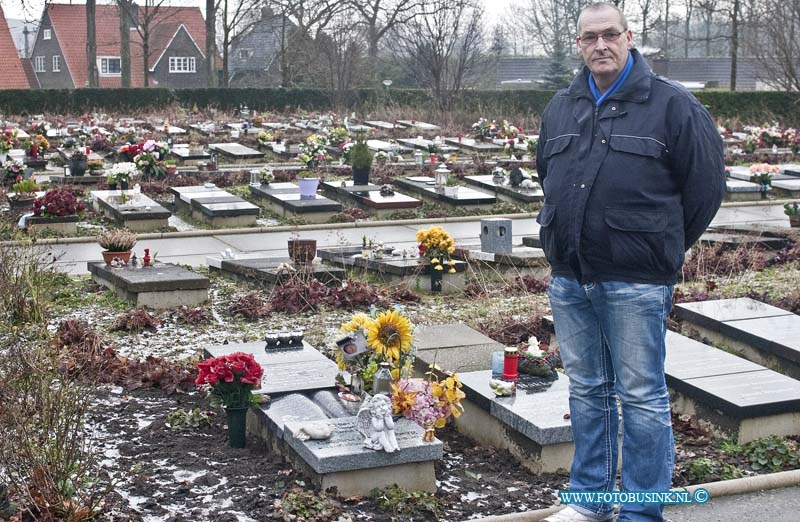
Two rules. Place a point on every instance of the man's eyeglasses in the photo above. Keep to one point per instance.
(591, 39)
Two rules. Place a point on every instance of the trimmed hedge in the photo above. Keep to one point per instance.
(753, 107)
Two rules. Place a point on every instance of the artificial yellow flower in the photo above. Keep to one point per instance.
(438, 267)
(451, 271)
(451, 263)
(340, 360)
(402, 400)
(389, 334)
(435, 261)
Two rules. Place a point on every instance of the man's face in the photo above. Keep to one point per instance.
(605, 59)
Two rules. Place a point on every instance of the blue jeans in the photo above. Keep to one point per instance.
(612, 341)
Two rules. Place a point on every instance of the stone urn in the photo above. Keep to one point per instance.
(302, 251)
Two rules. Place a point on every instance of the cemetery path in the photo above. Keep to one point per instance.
(776, 505)
(192, 250)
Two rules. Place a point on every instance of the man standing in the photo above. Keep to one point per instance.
(632, 170)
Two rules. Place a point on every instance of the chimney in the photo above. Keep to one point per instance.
(25, 33)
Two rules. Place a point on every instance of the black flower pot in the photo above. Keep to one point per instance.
(361, 176)
(123, 185)
(77, 167)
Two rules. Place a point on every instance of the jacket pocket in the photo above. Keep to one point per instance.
(556, 145)
(637, 238)
(548, 234)
(639, 145)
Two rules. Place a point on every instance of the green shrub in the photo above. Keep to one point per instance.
(360, 156)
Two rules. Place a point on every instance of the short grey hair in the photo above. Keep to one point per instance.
(600, 6)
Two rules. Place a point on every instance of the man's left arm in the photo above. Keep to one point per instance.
(699, 165)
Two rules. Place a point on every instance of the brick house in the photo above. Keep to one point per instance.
(176, 57)
(13, 76)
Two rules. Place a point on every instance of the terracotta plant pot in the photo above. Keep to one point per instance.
(302, 251)
(108, 256)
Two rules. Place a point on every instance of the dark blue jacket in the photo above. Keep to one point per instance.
(628, 187)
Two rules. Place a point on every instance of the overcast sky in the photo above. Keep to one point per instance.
(13, 8)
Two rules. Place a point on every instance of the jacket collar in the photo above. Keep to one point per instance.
(636, 88)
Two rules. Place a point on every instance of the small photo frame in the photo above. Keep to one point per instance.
(352, 345)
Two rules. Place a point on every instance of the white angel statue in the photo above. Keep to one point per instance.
(375, 423)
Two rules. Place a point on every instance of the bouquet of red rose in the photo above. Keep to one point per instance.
(231, 378)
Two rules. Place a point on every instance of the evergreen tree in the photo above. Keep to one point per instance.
(559, 74)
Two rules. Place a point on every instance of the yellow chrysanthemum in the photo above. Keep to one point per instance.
(451, 271)
(360, 321)
(438, 267)
(435, 261)
(389, 333)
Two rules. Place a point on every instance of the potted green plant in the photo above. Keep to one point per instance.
(361, 161)
(117, 243)
(793, 211)
(77, 163)
(308, 182)
(171, 166)
(24, 194)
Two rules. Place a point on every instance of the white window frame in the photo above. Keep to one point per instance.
(100, 60)
(182, 65)
(47, 34)
(56, 63)
(38, 64)
(249, 53)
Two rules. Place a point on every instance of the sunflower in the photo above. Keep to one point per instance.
(389, 334)
(358, 322)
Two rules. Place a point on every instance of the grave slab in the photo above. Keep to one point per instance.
(761, 333)
(266, 270)
(531, 424)
(286, 371)
(791, 169)
(420, 125)
(453, 347)
(378, 124)
(184, 154)
(344, 451)
(236, 151)
(454, 197)
(292, 407)
(734, 241)
(77, 180)
(503, 189)
(215, 206)
(423, 144)
(161, 286)
(138, 212)
(369, 198)
(787, 187)
(739, 190)
(385, 146)
(743, 173)
(522, 260)
(284, 199)
(474, 145)
(393, 268)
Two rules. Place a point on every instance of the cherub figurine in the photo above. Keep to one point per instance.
(375, 423)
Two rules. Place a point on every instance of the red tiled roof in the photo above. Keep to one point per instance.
(13, 76)
(69, 25)
(27, 66)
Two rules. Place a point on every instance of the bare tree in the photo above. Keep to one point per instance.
(237, 17)
(125, 8)
(342, 51)
(211, 42)
(91, 44)
(554, 20)
(445, 50)
(150, 16)
(779, 52)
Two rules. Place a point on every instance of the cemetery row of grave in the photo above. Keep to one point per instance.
(746, 396)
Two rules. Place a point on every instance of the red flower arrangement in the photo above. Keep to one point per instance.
(232, 379)
(131, 151)
(58, 202)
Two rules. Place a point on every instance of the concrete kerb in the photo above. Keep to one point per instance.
(723, 488)
(282, 228)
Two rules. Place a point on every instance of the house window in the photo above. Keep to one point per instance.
(110, 66)
(47, 34)
(38, 64)
(56, 63)
(181, 64)
(245, 54)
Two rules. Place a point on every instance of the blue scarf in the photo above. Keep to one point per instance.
(600, 98)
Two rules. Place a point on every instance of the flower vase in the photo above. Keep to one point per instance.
(3, 157)
(237, 426)
(436, 280)
(430, 432)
